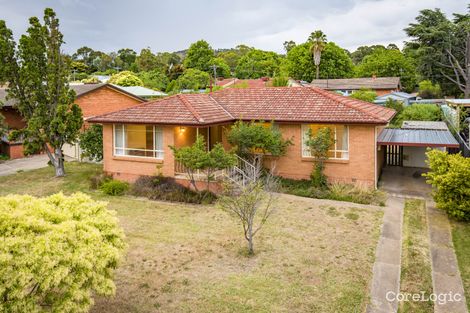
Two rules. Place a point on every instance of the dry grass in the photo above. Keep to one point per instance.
(461, 239)
(312, 256)
(415, 261)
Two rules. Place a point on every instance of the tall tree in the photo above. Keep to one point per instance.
(37, 75)
(258, 63)
(199, 56)
(318, 43)
(443, 47)
(127, 56)
(147, 61)
(288, 45)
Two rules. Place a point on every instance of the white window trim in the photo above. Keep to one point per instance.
(305, 151)
(155, 152)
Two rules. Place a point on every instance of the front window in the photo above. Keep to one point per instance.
(138, 141)
(339, 149)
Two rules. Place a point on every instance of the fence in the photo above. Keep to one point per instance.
(450, 119)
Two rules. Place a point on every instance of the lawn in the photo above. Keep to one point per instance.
(461, 239)
(415, 261)
(312, 256)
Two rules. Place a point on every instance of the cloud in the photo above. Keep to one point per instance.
(108, 25)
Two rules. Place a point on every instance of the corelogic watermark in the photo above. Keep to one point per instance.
(440, 298)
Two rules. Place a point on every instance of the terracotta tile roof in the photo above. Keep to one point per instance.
(357, 83)
(283, 104)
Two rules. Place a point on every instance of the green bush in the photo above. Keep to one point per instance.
(91, 142)
(428, 90)
(56, 252)
(125, 79)
(364, 95)
(99, 179)
(419, 112)
(167, 189)
(114, 187)
(450, 178)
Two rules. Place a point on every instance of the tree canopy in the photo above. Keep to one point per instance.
(257, 63)
(199, 56)
(335, 62)
(37, 75)
(125, 78)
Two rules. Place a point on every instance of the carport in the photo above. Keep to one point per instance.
(407, 146)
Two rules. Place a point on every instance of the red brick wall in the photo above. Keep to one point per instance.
(381, 92)
(130, 168)
(12, 118)
(360, 168)
(104, 100)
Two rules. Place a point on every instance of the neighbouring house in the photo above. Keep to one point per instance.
(93, 99)
(137, 140)
(400, 96)
(347, 86)
(243, 83)
(407, 146)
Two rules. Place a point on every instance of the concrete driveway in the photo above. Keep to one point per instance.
(405, 181)
(23, 164)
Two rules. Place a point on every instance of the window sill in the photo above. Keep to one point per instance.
(307, 159)
(137, 159)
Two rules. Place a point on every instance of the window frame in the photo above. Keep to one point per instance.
(305, 151)
(158, 154)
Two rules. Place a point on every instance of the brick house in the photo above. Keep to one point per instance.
(137, 140)
(93, 99)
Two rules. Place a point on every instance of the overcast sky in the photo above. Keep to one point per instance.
(108, 25)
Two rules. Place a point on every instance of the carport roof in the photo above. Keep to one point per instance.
(417, 138)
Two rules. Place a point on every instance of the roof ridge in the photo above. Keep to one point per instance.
(348, 102)
(188, 105)
(222, 106)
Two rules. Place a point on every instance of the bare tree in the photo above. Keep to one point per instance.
(252, 204)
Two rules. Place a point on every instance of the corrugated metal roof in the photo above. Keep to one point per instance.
(424, 125)
(358, 83)
(417, 138)
(142, 91)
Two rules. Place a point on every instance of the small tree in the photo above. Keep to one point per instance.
(125, 79)
(37, 75)
(319, 144)
(196, 158)
(253, 140)
(91, 143)
(318, 43)
(252, 204)
(428, 90)
(56, 252)
(450, 177)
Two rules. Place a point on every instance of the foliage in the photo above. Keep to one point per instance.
(167, 189)
(440, 47)
(223, 69)
(450, 176)
(154, 79)
(336, 191)
(398, 107)
(428, 90)
(37, 74)
(91, 142)
(196, 158)
(199, 56)
(257, 63)
(251, 138)
(99, 179)
(192, 79)
(419, 112)
(335, 63)
(91, 80)
(127, 56)
(247, 202)
(279, 81)
(114, 187)
(389, 63)
(319, 144)
(56, 252)
(125, 78)
(364, 95)
(363, 51)
(288, 45)
(146, 61)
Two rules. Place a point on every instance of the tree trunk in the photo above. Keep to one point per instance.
(59, 163)
(318, 72)
(250, 240)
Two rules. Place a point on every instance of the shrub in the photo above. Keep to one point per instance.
(125, 78)
(280, 81)
(91, 80)
(356, 194)
(450, 177)
(419, 112)
(56, 252)
(114, 187)
(428, 90)
(91, 142)
(364, 95)
(167, 189)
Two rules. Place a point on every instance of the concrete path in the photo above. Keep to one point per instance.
(24, 164)
(445, 271)
(387, 266)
